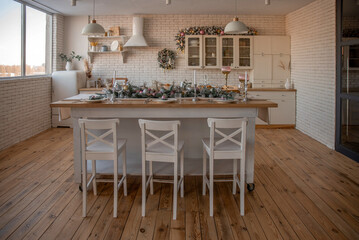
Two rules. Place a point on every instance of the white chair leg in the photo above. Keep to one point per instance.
(204, 174)
(115, 187)
(182, 173)
(151, 176)
(94, 185)
(143, 188)
(84, 188)
(211, 166)
(234, 176)
(124, 171)
(242, 184)
(175, 189)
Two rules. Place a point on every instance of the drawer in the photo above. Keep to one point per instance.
(278, 85)
(272, 95)
(262, 85)
(262, 81)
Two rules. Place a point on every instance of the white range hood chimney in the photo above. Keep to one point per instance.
(137, 39)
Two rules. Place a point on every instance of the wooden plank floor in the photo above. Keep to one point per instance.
(303, 191)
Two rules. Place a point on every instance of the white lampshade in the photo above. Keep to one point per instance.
(236, 27)
(93, 28)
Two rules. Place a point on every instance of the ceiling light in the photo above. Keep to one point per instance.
(267, 2)
(235, 27)
(73, 3)
(168, 2)
(93, 28)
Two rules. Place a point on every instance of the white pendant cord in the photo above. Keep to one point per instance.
(93, 10)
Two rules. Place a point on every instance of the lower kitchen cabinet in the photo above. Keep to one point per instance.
(284, 114)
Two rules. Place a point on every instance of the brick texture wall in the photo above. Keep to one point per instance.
(312, 31)
(160, 30)
(57, 41)
(24, 109)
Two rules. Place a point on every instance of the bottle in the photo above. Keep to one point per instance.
(287, 84)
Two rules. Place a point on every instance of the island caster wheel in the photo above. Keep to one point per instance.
(250, 187)
(80, 188)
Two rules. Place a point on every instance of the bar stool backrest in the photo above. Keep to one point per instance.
(168, 138)
(237, 124)
(89, 137)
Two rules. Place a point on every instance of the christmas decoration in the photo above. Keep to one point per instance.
(166, 59)
(206, 30)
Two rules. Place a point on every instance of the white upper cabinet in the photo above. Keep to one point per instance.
(280, 45)
(211, 52)
(237, 51)
(262, 45)
(193, 51)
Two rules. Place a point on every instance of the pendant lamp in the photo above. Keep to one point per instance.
(236, 27)
(93, 28)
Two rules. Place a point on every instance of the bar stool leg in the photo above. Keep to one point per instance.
(242, 184)
(151, 177)
(124, 171)
(234, 176)
(211, 185)
(84, 188)
(175, 188)
(204, 174)
(182, 174)
(94, 185)
(115, 187)
(143, 187)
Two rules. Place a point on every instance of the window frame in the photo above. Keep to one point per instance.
(23, 43)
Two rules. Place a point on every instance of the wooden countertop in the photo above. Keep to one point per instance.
(142, 103)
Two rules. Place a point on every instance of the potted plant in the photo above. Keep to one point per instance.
(69, 59)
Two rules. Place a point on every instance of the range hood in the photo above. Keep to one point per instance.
(137, 39)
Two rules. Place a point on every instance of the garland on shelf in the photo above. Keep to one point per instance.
(204, 30)
(166, 59)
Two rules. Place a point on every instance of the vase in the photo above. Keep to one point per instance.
(68, 66)
(287, 84)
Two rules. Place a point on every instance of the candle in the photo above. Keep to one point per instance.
(245, 79)
(194, 77)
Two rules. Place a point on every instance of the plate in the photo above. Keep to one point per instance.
(165, 100)
(114, 45)
(224, 101)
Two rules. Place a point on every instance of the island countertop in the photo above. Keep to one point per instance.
(144, 103)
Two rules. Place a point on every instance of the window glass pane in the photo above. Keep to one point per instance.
(350, 124)
(10, 39)
(36, 24)
(350, 20)
(350, 69)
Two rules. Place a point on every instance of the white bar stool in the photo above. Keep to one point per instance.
(226, 146)
(164, 148)
(102, 146)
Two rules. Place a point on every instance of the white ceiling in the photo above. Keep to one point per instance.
(130, 7)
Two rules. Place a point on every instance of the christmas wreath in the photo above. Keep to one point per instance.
(166, 59)
(206, 30)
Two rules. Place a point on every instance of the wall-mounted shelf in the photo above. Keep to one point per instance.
(122, 54)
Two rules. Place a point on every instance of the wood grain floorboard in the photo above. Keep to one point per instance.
(304, 190)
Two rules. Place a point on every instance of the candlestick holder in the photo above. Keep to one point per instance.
(245, 93)
(194, 99)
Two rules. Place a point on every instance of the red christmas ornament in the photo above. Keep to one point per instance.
(222, 32)
(182, 34)
(201, 32)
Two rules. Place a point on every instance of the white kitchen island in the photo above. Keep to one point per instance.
(193, 116)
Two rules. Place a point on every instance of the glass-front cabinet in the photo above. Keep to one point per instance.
(237, 51)
(193, 50)
(215, 52)
(211, 51)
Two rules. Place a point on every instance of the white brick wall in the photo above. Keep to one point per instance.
(312, 31)
(57, 41)
(160, 30)
(24, 109)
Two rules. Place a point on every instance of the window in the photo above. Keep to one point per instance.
(25, 42)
